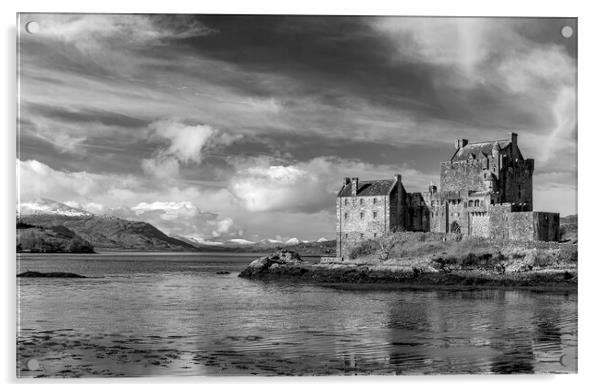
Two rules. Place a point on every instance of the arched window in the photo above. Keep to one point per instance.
(361, 215)
(361, 201)
(477, 203)
(346, 215)
(470, 203)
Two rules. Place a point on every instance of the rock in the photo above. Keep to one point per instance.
(36, 274)
(271, 262)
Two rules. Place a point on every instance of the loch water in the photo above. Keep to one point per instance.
(173, 314)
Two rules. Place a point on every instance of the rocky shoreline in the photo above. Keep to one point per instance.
(288, 265)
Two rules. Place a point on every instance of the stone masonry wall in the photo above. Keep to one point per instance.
(359, 219)
(498, 220)
(517, 181)
(462, 176)
(547, 226)
(521, 226)
(479, 224)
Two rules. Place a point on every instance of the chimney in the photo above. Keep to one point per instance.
(513, 137)
(354, 182)
(346, 181)
(461, 143)
(397, 178)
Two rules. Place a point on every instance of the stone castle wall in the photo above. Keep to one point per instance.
(359, 219)
(462, 175)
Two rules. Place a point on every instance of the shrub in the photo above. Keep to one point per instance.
(364, 248)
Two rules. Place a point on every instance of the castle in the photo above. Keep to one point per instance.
(486, 191)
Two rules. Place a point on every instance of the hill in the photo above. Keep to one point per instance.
(110, 232)
(55, 239)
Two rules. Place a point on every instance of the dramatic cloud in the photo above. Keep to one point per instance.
(258, 118)
(272, 188)
(186, 142)
(185, 219)
(309, 186)
(186, 145)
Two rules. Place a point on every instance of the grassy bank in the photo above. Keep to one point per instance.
(433, 252)
(429, 259)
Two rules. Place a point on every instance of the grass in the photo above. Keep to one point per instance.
(448, 252)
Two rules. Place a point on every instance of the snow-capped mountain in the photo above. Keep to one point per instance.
(49, 207)
(240, 241)
(293, 241)
(193, 239)
(269, 241)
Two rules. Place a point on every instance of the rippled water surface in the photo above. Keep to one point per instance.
(172, 314)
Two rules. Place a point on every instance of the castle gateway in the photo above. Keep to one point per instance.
(486, 191)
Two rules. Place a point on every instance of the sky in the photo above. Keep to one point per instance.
(221, 127)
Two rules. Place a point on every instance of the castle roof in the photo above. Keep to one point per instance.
(369, 188)
(478, 149)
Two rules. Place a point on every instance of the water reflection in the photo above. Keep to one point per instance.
(148, 315)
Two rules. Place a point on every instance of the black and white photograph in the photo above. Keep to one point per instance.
(295, 195)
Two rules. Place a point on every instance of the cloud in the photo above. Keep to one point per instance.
(127, 197)
(308, 186)
(272, 188)
(92, 32)
(185, 219)
(459, 42)
(161, 166)
(37, 180)
(94, 208)
(187, 144)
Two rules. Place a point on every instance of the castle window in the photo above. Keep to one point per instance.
(361, 215)
(374, 214)
(346, 215)
(361, 201)
(345, 201)
(374, 201)
(346, 235)
(362, 235)
(476, 203)
(374, 235)
(470, 203)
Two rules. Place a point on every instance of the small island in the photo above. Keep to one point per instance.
(479, 229)
(409, 259)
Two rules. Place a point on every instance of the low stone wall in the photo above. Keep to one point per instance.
(327, 259)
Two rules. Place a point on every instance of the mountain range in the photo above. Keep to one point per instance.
(43, 218)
